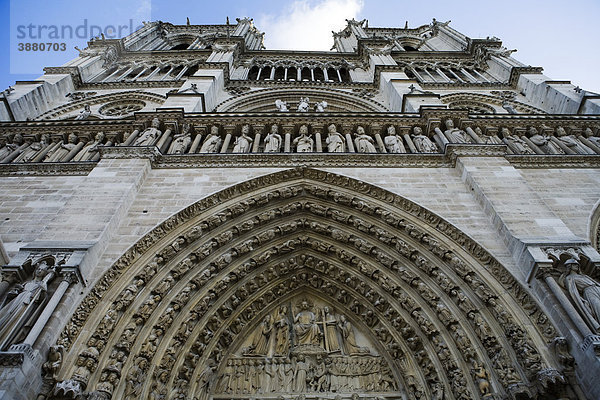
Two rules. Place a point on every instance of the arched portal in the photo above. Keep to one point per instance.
(419, 310)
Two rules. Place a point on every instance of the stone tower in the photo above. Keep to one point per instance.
(187, 215)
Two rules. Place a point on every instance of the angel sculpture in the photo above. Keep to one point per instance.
(281, 105)
(321, 106)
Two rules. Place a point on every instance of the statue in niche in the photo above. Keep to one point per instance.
(62, 150)
(422, 143)
(273, 140)
(212, 143)
(455, 135)
(84, 114)
(517, 144)
(260, 343)
(594, 138)
(181, 141)
(393, 143)
(305, 326)
(543, 142)
(304, 143)
(90, 149)
(149, 136)
(321, 106)
(487, 139)
(5, 148)
(330, 329)
(335, 140)
(348, 340)
(364, 142)
(282, 332)
(29, 153)
(303, 104)
(585, 293)
(243, 142)
(25, 305)
(301, 374)
(281, 105)
(572, 142)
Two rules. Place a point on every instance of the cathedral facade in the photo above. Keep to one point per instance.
(413, 215)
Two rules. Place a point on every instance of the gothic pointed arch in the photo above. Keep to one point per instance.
(418, 309)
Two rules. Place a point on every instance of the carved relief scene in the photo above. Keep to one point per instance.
(305, 346)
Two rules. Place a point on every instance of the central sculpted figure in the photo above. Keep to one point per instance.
(150, 134)
(454, 134)
(273, 141)
(585, 293)
(364, 142)
(305, 326)
(243, 142)
(304, 143)
(335, 140)
(213, 141)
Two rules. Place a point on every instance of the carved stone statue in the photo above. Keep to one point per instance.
(572, 142)
(584, 292)
(5, 148)
(543, 142)
(243, 142)
(55, 358)
(150, 135)
(305, 326)
(61, 151)
(487, 139)
(422, 143)
(212, 143)
(281, 105)
(181, 141)
(335, 140)
(330, 327)
(455, 135)
(303, 104)
(517, 144)
(321, 106)
(85, 113)
(33, 149)
(282, 332)
(273, 140)
(24, 306)
(348, 340)
(260, 344)
(393, 143)
(594, 138)
(90, 149)
(365, 143)
(304, 143)
(301, 375)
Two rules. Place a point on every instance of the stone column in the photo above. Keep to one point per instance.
(318, 142)
(35, 331)
(405, 131)
(131, 138)
(377, 129)
(197, 140)
(471, 132)
(164, 140)
(73, 151)
(228, 133)
(287, 132)
(258, 130)
(568, 306)
(347, 130)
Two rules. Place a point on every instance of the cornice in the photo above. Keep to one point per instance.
(43, 169)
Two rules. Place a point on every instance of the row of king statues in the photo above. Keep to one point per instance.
(533, 140)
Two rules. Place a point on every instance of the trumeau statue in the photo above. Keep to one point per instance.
(584, 292)
(393, 143)
(455, 135)
(273, 140)
(422, 143)
(304, 143)
(24, 304)
(365, 143)
(243, 142)
(90, 149)
(181, 141)
(212, 143)
(335, 140)
(150, 135)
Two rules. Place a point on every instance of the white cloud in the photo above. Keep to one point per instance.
(307, 25)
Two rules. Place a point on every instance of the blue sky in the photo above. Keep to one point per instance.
(560, 36)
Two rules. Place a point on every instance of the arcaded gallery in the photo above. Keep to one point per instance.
(413, 215)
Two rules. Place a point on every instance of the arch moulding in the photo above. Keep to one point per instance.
(245, 293)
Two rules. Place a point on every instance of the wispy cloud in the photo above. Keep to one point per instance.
(307, 25)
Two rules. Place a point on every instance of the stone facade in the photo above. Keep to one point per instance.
(188, 216)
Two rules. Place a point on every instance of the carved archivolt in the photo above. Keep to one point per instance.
(97, 103)
(171, 315)
(484, 101)
(264, 100)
